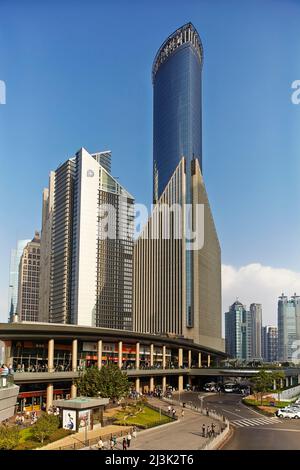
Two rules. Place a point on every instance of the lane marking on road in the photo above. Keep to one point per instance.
(231, 412)
(255, 422)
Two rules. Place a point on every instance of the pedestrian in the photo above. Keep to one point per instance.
(203, 430)
(169, 409)
(213, 429)
(128, 439)
(182, 413)
(100, 444)
(208, 431)
(134, 433)
(124, 444)
(111, 443)
(174, 412)
(115, 440)
(207, 412)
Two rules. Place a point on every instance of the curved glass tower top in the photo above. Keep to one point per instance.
(176, 76)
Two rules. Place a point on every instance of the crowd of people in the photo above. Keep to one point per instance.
(113, 443)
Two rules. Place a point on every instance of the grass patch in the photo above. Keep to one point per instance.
(253, 402)
(142, 416)
(25, 434)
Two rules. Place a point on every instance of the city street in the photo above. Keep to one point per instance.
(252, 430)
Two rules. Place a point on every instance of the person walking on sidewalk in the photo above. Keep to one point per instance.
(134, 433)
(128, 439)
(100, 444)
(124, 444)
(203, 430)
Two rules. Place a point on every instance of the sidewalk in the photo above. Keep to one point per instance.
(184, 434)
(79, 437)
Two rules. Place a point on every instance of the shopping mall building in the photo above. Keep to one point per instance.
(46, 359)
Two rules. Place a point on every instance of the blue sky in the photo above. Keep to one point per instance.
(79, 74)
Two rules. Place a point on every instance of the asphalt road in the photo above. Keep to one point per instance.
(252, 430)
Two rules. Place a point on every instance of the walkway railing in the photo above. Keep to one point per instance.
(214, 441)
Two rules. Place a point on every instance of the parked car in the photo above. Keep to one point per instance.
(230, 387)
(288, 413)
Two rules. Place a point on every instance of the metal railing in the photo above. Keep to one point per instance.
(94, 441)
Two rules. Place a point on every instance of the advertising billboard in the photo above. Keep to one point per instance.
(69, 420)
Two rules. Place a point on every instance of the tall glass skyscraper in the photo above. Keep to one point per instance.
(177, 132)
(177, 81)
(177, 286)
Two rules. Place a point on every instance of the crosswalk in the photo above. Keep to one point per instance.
(241, 423)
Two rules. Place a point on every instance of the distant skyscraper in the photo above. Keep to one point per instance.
(178, 289)
(256, 325)
(270, 343)
(288, 327)
(238, 332)
(29, 281)
(90, 271)
(15, 257)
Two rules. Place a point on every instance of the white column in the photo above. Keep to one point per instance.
(189, 358)
(164, 357)
(51, 355)
(180, 383)
(137, 385)
(199, 360)
(120, 355)
(164, 383)
(99, 354)
(74, 354)
(151, 355)
(180, 357)
(49, 401)
(151, 384)
(137, 356)
(208, 360)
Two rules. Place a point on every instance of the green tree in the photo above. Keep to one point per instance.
(9, 437)
(263, 382)
(108, 382)
(45, 426)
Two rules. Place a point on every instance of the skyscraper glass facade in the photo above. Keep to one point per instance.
(176, 75)
(177, 133)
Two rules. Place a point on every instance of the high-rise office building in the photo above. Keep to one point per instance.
(29, 281)
(288, 328)
(270, 343)
(238, 332)
(15, 257)
(256, 325)
(46, 237)
(178, 286)
(88, 223)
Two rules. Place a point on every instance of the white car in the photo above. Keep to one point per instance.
(289, 413)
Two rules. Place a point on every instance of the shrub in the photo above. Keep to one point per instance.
(29, 444)
(44, 427)
(9, 437)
